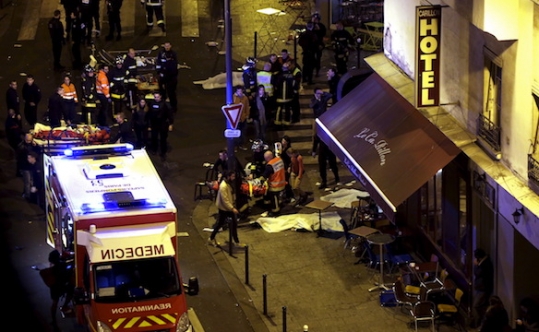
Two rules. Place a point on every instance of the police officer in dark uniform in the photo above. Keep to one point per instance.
(250, 80)
(342, 41)
(69, 7)
(161, 119)
(130, 65)
(115, 23)
(56, 30)
(308, 40)
(167, 69)
(125, 130)
(320, 29)
(89, 95)
(78, 30)
(117, 77)
(88, 14)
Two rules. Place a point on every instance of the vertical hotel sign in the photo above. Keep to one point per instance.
(428, 35)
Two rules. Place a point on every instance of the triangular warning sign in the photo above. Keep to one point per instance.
(233, 114)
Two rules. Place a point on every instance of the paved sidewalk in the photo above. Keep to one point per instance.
(313, 277)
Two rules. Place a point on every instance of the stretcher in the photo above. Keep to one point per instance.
(53, 141)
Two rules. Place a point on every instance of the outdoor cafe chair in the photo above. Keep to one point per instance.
(423, 311)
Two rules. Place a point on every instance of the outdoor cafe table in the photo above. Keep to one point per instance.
(381, 240)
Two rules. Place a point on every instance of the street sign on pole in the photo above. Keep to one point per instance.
(232, 133)
(233, 114)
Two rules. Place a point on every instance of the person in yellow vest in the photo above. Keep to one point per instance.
(70, 100)
(274, 174)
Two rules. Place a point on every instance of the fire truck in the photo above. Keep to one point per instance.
(107, 206)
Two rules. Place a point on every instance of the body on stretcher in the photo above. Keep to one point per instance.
(251, 188)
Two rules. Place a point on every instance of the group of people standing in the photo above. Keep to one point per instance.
(82, 20)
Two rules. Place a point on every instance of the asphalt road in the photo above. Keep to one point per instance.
(197, 138)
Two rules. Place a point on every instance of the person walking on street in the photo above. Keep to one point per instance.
(12, 97)
(167, 70)
(284, 95)
(130, 66)
(325, 156)
(89, 95)
(308, 40)
(140, 120)
(115, 22)
(125, 131)
(259, 111)
(70, 100)
(296, 170)
(320, 29)
(69, 7)
(56, 108)
(60, 283)
(117, 77)
(103, 94)
(240, 98)
(342, 41)
(319, 102)
(56, 31)
(77, 37)
(33, 184)
(24, 168)
(31, 94)
(274, 173)
(161, 122)
(14, 131)
(226, 204)
(89, 10)
(483, 284)
(154, 7)
(333, 83)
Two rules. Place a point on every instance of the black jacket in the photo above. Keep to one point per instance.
(31, 93)
(12, 100)
(160, 115)
(56, 30)
(56, 109)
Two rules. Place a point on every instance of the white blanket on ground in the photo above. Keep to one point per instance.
(343, 198)
(310, 222)
(219, 81)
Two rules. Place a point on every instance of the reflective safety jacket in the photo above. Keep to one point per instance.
(264, 78)
(70, 93)
(117, 76)
(276, 180)
(102, 83)
(152, 2)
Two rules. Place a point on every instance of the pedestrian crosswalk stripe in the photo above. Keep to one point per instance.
(189, 12)
(31, 20)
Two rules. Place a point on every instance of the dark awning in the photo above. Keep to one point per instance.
(387, 144)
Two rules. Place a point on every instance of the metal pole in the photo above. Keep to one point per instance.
(247, 265)
(284, 319)
(229, 87)
(255, 44)
(265, 293)
(230, 221)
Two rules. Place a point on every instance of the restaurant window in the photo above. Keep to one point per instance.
(489, 120)
(431, 208)
(533, 157)
(444, 215)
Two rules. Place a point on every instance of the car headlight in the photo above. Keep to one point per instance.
(183, 323)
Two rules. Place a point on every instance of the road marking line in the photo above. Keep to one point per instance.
(189, 18)
(195, 322)
(30, 21)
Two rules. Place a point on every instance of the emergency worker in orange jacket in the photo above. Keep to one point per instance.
(70, 100)
(103, 94)
(274, 173)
